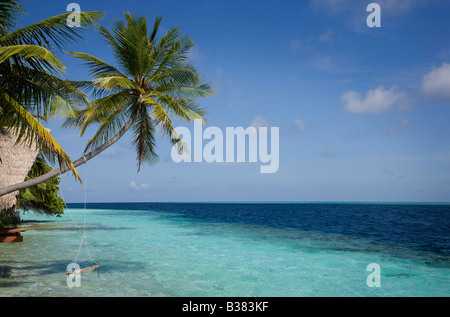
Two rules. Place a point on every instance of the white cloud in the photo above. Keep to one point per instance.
(436, 84)
(378, 100)
(141, 186)
(259, 122)
(300, 125)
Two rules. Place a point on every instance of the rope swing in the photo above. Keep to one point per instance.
(94, 264)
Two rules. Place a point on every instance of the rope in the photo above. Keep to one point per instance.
(85, 200)
(84, 238)
(85, 186)
(70, 215)
(78, 253)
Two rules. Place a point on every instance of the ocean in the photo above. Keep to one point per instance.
(234, 250)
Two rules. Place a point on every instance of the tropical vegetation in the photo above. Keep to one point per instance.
(41, 198)
(32, 86)
(150, 84)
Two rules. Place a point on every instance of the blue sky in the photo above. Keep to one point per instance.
(362, 112)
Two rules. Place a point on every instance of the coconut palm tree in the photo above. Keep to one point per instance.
(30, 85)
(152, 84)
(31, 89)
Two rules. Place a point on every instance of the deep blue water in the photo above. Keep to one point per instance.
(422, 226)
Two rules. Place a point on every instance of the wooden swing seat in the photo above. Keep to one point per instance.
(87, 269)
(11, 235)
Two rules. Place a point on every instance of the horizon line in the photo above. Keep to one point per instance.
(264, 201)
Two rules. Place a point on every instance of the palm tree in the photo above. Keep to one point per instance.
(32, 88)
(153, 84)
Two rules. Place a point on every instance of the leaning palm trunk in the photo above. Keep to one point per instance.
(154, 84)
(13, 186)
(16, 161)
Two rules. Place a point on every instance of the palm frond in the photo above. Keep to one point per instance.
(115, 82)
(96, 66)
(182, 108)
(9, 10)
(51, 33)
(40, 92)
(98, 111)
(30, 130)
(144, 138)
(110, 125)
(34, 53)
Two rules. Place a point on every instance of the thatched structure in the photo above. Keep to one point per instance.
(16, 161)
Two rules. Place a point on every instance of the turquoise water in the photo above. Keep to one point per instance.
(161, 253)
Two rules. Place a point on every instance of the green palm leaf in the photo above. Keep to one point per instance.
(51, 32)
(96, 65)
(40, 135)
(37, 53)
(9, 10)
